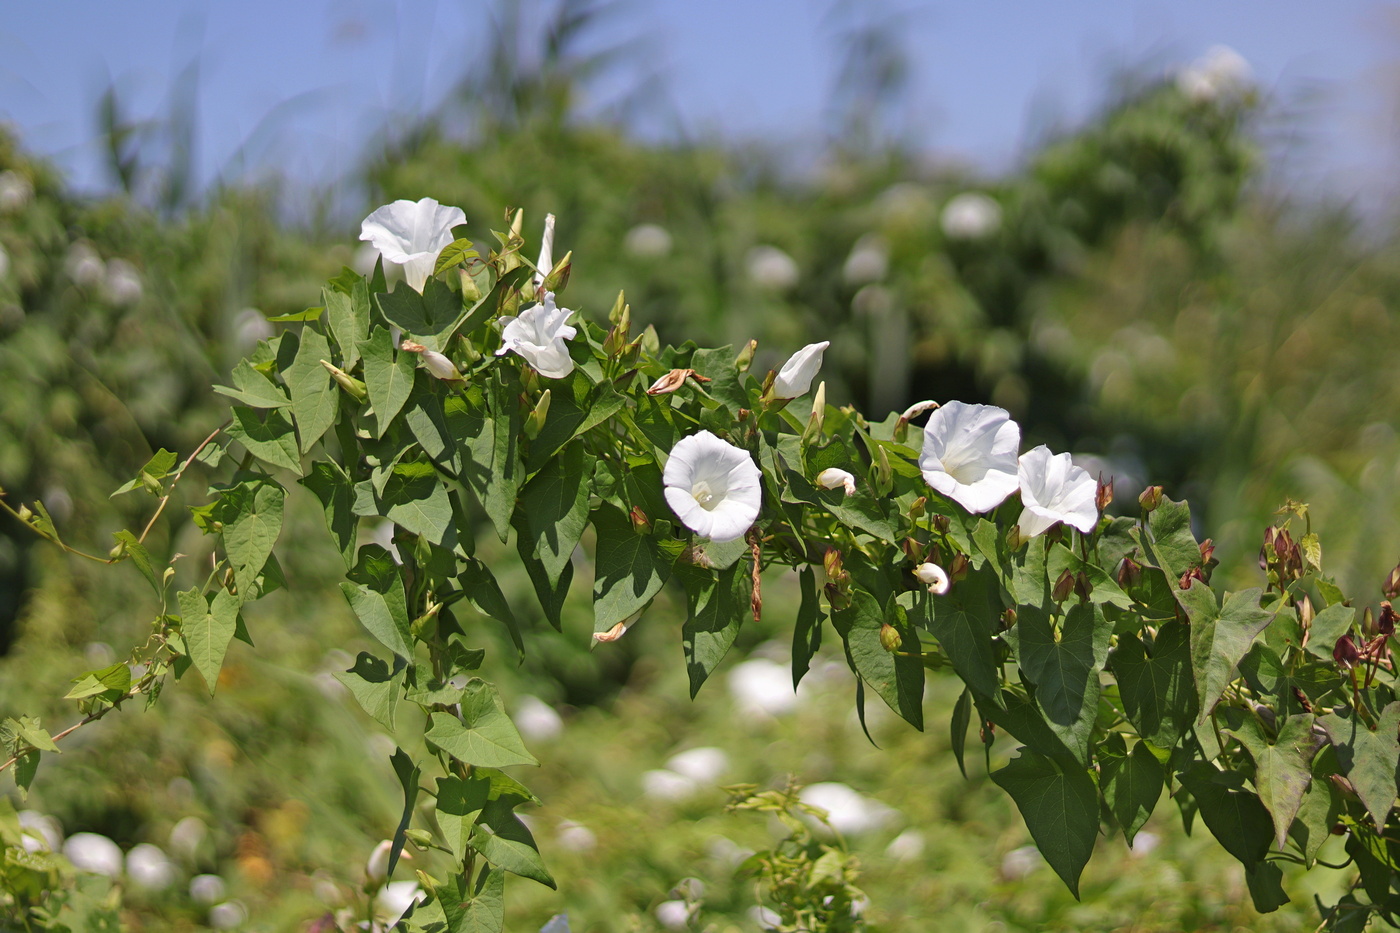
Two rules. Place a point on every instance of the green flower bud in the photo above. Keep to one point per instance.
(1151, 498)
(889, 638)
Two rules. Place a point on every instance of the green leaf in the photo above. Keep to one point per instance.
(1060, 807)
(957, 727)
(1171, 542)
(716, 602)
(329, 483)
(253, 388)
(807, 632)
(428, 423)
(459, 803)
(1328, 626)
(141, 559)
(1131, 786)
(383, 615)
(252, 517)
(1064, 665)
(484, 736)
(1320, 808)
(271, 438)
(1368, 758)
(962, 621)
(482, 912)
(1265, 882)
(1233, 815)
(26, 767)
(155, 470)
(551, 595)
(207, 626)
(507, 471)
(455, 254)
(860, 511)
(408, 774)
(375, 686)
(1104, 587)
(388, 377)
(110, 682)
(485, 594)
(898, 680)
(1023, 719)
(1281, 767)
(507, 843)
(629, 569)
(1218, 642)
(554, 508)
(315, 397)
(1157, 690)
(298, 317)
(413, 498)
(347, 312)
(429, 315)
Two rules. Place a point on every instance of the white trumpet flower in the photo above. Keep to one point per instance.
(412, 234)
(538, 335)
(1054, 490)
(969, 454)
(714, 488)
(934, 577)
(834, 478)
(796, 376)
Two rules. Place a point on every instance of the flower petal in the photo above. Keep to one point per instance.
(796, 376)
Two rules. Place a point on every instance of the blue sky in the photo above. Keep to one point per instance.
(298, 87)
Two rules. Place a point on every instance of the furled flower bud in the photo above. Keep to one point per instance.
(640, 523)
(831, 562)
(352, 386)
(916, 509)
(1385, 624)
(942, 523)
(744, 360)
(958, 567)
(1345, 653)
(673, 380)
(1207, 551)
(1063, 587)
(813, 431)
(834, 478)
(1151, 498)
(1103, 495)
(1129, 572)
(433, 361)
(934, 577)
(796, 375)
(1014, 538)
(377, 868)
(1082, 587)
(889, 638)
(1391, 589)
(884, 473)
(534, 422)
(1305, 613)
(1008, 619)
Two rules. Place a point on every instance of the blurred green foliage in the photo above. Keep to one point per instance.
(1137, 297)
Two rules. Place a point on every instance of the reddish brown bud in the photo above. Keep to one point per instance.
(958, 567)
(1082, 587)
(837, 597)
(1302, 699)
(1391, 589)
(832, 562)
(1008, 619)
(1151, 498)
(1195, 573)
(1207, 550)
(1063, 587)
(1129, 572)
(942, 523)
(640, 523)
(1103, 495)
(1345, 653)
(1347, 789)
(889, 638)
(1386, 623)
(674, 380)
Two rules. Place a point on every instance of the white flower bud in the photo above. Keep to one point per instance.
(440, 366)
(796, 376)
(377, 868)
(832, 478)
(934, 577)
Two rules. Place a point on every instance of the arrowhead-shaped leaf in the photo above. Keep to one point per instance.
(1060, 807)
(207, 627)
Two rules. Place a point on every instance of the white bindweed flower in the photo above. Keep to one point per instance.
(934, 577)
(673, 915)
(412, 234)
(150, 868)
(703, 765)
(868, 262)
(15, 191)
(1054, 490)
(40, 832)
(122, 284)
(1221, 73)
(4, 263)
(83, 265)
(969, 454)
(971, 215)
(559, 923)
(438, 365)
(395, 898)
(228, 915)
(665, 784)
(575, 837)
(377, 866)
(848, 811)
(772, 269)
(187, 835)
(917, 409)
(537, 720)
(712, 486)
(1018, 863)
(94, 853)
(907, 846)
(835, 478)
(647, 241)
(207, 889)
(538, 335)
(761, 686)
(796, 376)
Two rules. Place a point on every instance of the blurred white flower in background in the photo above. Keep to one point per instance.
(411, 234)
(969, 454)
(207, 889)
(713, 487)
(16, 191)
(94, 853)
(647, 241)
(761, 686)
(575, 837)
(41, 832)
(1054, 490)
(83, 265)
(537, 720)
(1220, 74)
(150, 868)
(848, 811)
(726, 851)
(228, 915)
(1018, 863)
(4, 263)
(796, 375)
(187, 835)
(766, 917)
(673, 915)
(702, 765)
(1144, 843)
(539, 335)
(868, 262)
(395, 898)
(971, 215)
(377, 865)
(772, 269)
(907, 846)
(665, 784)
(559, 923)
(122, 284)
(249, 326)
